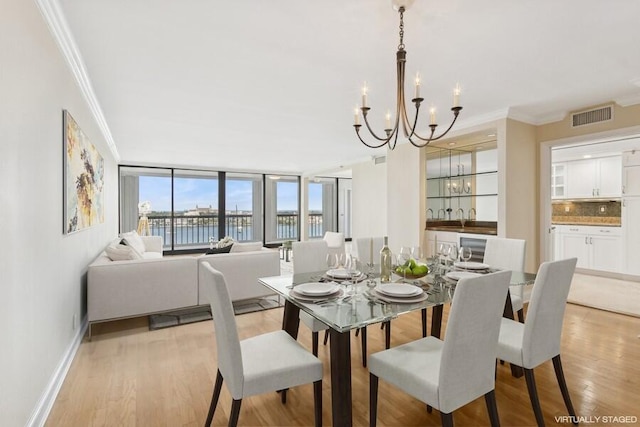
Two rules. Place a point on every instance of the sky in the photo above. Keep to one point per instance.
(192, 192)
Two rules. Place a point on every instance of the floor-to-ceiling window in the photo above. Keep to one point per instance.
(282, 208)
(243, 206)
(146, 203)
(195, 209)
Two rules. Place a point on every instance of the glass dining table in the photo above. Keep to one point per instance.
(357, 306)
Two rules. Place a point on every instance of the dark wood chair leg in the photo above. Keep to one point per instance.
(557, 366)
(357, 331)
(492, 408)
(387, 335)
(373, 400)
(424, 322)
(447, 419)
(214, 399)
(533, 396)
(283, 396)
(326, 337)
(363, 338)
(317, 402)
(429, 409)
(521, 315)
(235, 412)
(314, 343)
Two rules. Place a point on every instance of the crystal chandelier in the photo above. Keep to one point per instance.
(401, 118)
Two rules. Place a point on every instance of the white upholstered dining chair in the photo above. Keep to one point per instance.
(369, 245)
(538, 340)
(308, 257)
(449, 374)
(508, 254)
(335, 242)
(269, 362)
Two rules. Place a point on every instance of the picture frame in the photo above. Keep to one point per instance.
(83, 169)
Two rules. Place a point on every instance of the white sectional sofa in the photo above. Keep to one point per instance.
(130, 288)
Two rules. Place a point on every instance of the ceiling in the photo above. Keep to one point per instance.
(271, 86)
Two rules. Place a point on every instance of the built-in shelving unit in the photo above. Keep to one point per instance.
(460, 181)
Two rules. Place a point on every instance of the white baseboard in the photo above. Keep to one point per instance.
(46, 401)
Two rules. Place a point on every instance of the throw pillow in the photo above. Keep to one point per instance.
(225, 241)
(246, 247)
(224, 250)
(122, 253)
(134, 240)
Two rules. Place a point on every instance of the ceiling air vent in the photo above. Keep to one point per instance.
(379, 160)
(598, 115)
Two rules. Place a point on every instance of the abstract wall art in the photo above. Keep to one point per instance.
(83, 179)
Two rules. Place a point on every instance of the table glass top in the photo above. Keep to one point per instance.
(366, 304)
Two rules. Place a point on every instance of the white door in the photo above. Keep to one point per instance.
(631, 181)
(631, 233)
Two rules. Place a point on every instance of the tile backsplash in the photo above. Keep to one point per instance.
(596, 212)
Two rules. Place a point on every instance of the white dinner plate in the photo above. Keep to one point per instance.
(314, 298)
(316, 288)
(399, 290)
(470, 265)
(342, 273)
(457, 275)
(422, 296)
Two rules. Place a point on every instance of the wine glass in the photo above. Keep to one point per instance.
(403, 258)
(351, 266)
(453, 253)
(332, 261)
(465, 253)
(417, 253)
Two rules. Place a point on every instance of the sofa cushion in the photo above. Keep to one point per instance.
(246, 247)
(133, 239)
(122, 253)
(224, 250)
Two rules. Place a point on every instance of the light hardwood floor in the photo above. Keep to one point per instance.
(129, 376)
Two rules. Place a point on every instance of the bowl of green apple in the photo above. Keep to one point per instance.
(411, 270)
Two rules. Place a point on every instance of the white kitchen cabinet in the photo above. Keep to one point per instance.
(559, 181)
(594, 178)
(631, 230)
(597, 248)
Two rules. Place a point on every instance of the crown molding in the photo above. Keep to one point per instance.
(54, 17)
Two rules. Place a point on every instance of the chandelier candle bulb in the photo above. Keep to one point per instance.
(388, 119)
(456, 96)
(417, 85)
(356, 116)
(432, 116)
(364, 95)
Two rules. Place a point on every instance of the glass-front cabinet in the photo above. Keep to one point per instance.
(462, 183)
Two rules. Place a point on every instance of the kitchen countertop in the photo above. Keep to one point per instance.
(590, 224)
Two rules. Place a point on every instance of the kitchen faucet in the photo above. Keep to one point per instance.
(474, 213)
(429, 210)
(461, 212)
(444, 213)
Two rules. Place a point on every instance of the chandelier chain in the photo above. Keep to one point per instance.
(401, 45)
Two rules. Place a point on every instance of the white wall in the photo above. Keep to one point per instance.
(369, 199)
(405, 197)
(42, 271)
